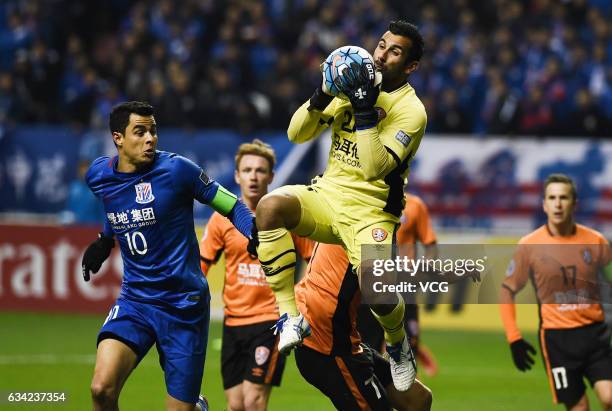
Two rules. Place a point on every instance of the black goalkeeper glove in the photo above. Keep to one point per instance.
(253, 241)
(357, 83)
(319, 100)
(520, 354)
(96, 254)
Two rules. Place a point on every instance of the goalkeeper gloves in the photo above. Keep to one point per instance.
(357, 82)
(520, 354)
(253, 241)
(320, 99)
(96, 253)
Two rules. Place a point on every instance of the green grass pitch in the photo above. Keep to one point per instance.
(44, 352)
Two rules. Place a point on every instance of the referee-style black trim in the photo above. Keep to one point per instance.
(574, 229)
(395, 157)
(341, 321)
(292, 250)
(270, 273)
(395, 198)
(216, 259)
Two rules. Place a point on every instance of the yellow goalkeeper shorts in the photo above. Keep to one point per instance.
(330, 217)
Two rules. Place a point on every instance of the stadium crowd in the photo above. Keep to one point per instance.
(534, 67)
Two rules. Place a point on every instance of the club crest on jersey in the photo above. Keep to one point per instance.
(379, 234)
(380, 112)
(587, 256)
(261, 354)
(144, 193)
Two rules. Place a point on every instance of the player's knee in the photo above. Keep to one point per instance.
(235, 404)
(255, 400)
(581, 405)
(276, 210)
(103, 393)
(605, 397)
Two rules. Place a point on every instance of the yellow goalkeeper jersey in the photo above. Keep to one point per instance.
(401, 124)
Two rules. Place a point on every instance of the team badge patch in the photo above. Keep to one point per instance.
(379, 234)
(587, 256)
(403, 138)
(381, 113)
(261, 355)
(144, 193)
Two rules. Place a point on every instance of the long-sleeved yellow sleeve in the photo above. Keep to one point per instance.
(376, 162)
(306, 125)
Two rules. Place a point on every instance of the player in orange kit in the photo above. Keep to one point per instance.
(332, 358)
(563, 259)
(250, 363)
(415, 226)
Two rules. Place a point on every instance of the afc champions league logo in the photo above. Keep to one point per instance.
(144, 193)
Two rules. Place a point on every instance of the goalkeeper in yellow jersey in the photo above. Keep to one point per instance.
(359, 198)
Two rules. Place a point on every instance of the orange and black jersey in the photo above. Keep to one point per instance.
(328, 297)
(415, 226)
(564, 272)
(247, 296)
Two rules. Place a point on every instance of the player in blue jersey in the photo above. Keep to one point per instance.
(148, 200)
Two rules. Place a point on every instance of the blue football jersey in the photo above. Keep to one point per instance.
(150, 212)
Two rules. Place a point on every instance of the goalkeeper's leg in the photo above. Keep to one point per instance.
(387, 308)
(276, 214)
(301, 210)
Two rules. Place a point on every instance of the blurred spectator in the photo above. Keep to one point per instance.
(449, 116)
(536, 114)
(247, 64)
(82, 207)
(587, 119)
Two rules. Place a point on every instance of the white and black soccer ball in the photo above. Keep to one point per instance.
(338, 61)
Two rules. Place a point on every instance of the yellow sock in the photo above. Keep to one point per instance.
(393, 323)
(277, 257)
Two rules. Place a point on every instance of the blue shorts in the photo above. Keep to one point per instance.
(180, 336)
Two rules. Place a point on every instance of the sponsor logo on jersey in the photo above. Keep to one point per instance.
(144, 193)
(403, 138)
(261, 355)
(587, 256)
(379, 234)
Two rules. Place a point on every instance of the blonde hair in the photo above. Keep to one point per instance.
(256, 148)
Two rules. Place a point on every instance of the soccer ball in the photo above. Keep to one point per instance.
(338, 61)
